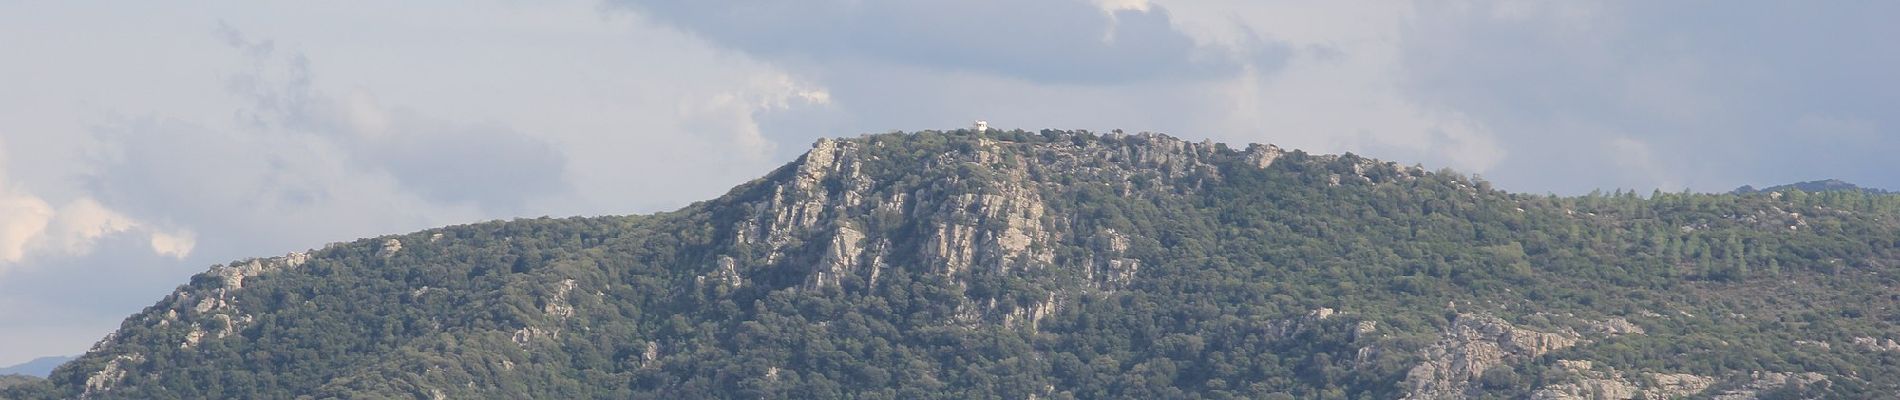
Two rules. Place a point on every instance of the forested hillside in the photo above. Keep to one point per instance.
(1826, 185)
(1058, 265)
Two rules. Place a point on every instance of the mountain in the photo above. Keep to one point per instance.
(37, 367)
(1058, 265)
(1826, 185)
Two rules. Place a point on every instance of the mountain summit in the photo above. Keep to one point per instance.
(1057, 264)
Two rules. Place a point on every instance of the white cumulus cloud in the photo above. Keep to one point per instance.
(22, 218)
(175, 245)
(31, 226)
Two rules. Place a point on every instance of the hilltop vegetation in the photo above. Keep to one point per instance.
(1058, 264)
(1825, 185)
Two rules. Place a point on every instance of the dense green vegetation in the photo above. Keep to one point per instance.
(1825, 185)
(7, 381)
(1232, 257)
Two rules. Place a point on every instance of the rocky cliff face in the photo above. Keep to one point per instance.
(982, 208)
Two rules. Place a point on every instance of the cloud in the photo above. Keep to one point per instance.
(911, 65)
(736, 113)
(489, 165)
(1340, 88)
(23, 219)
(151, 142)
(30, 226)
(1635, 158)
(77, 224)
(176, 245)
(1738, 95)
(261, 193)
(1061, 41)
(1238, 71)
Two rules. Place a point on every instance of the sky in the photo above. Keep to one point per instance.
(141, 143)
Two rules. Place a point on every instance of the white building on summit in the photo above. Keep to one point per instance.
(981, 126)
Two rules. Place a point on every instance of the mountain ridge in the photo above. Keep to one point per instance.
(37, 367)
(1054, 264)
(1824, 185)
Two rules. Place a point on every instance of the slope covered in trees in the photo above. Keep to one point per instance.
(1825, 185)
(1058, 264)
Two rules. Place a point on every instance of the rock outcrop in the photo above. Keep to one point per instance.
(1616, 326)
(1589, 382)
(108, 377)
(389, 249)
(1283, 329)
(1760, 381)
(1872, 344)
(1473, 344)
(981, 210)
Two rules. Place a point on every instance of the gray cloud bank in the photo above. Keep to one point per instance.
(1058, 41)
(1669, 94)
